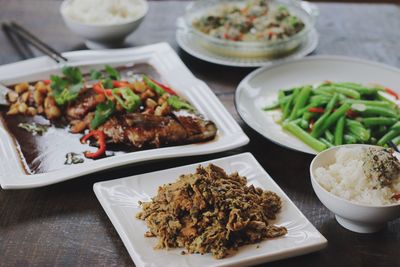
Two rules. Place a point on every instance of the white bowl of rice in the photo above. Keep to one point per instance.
(103, 23)
(360, 184)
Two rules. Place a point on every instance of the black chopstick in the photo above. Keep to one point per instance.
(25, 35)
(21, 47)
(393, 145)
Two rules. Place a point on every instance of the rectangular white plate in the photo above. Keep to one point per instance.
(120, 197)
(174, 72)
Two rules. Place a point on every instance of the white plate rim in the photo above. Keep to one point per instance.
(322, 242)
(164, 59)
(256, 72)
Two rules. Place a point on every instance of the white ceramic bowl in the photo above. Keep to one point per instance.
(355, 217)
(102, 36)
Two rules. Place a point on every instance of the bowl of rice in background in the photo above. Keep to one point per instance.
(341, 180)
(103, 23)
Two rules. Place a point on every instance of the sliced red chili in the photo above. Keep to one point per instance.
(316, 110)
(98, 88)
(391, 92)
(396, 196)
(166, 88)
(47, 82)
(351, 113)
(118, 84)
(108, 92)
(101, 141)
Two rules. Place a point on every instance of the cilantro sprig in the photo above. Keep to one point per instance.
(66, 89)
(111, 74)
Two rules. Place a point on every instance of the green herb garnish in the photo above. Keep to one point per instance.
(34, 128)
(112, 73)
(72, 158)
(66, 89)
(177, 103)
(95, 75)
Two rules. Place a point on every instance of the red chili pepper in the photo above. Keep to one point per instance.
(101, 140)
(396, 196)
(108, 92)
(391, 92)
(47, 82)
(226, 36)
(118, 84)
(98, 88)
(316, 110)
(166, 88)
(351, 114)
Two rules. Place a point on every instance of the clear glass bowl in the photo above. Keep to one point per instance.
(244, 49)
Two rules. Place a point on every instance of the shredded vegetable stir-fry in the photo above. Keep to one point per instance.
(256, 21)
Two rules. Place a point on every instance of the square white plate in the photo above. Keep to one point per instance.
(120, 197)
(170, 67)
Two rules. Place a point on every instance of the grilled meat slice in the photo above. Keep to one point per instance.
(145, 130)
(78, 126)
(197, 128)
(153, 131)
(86, 102)
(114, 129)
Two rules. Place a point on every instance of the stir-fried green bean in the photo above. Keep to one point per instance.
(329, 136)
(300, 101)
(288, 105)
(389, 136)
(330, 120)
(342, 90)
(373, 121)
(339, 130)
(358, 130)
(339, 113)
(304, 136)
(376, 111)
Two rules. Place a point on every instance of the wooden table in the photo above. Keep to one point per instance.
(64, 224)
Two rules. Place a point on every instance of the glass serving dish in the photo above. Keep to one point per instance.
(247, 49)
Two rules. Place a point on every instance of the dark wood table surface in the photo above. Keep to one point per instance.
(64, 224)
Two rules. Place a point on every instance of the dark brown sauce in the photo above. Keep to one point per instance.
(46, 153)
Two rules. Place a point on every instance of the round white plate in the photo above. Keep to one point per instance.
(261, 87)
(187, 42)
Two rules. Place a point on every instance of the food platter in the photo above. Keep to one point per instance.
(261, 87)
(170, 68)
(119, 198)
(219, 46)
(188, 43)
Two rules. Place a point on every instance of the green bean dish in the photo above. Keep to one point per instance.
(331, 114)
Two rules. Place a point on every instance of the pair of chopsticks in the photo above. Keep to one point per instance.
(21, 37)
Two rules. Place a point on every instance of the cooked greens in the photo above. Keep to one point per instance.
(211, 212)
(34, 128)
(66, 89)
(339, 113)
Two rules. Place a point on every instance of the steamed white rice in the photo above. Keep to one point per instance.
(346, 179)
(104, 12)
